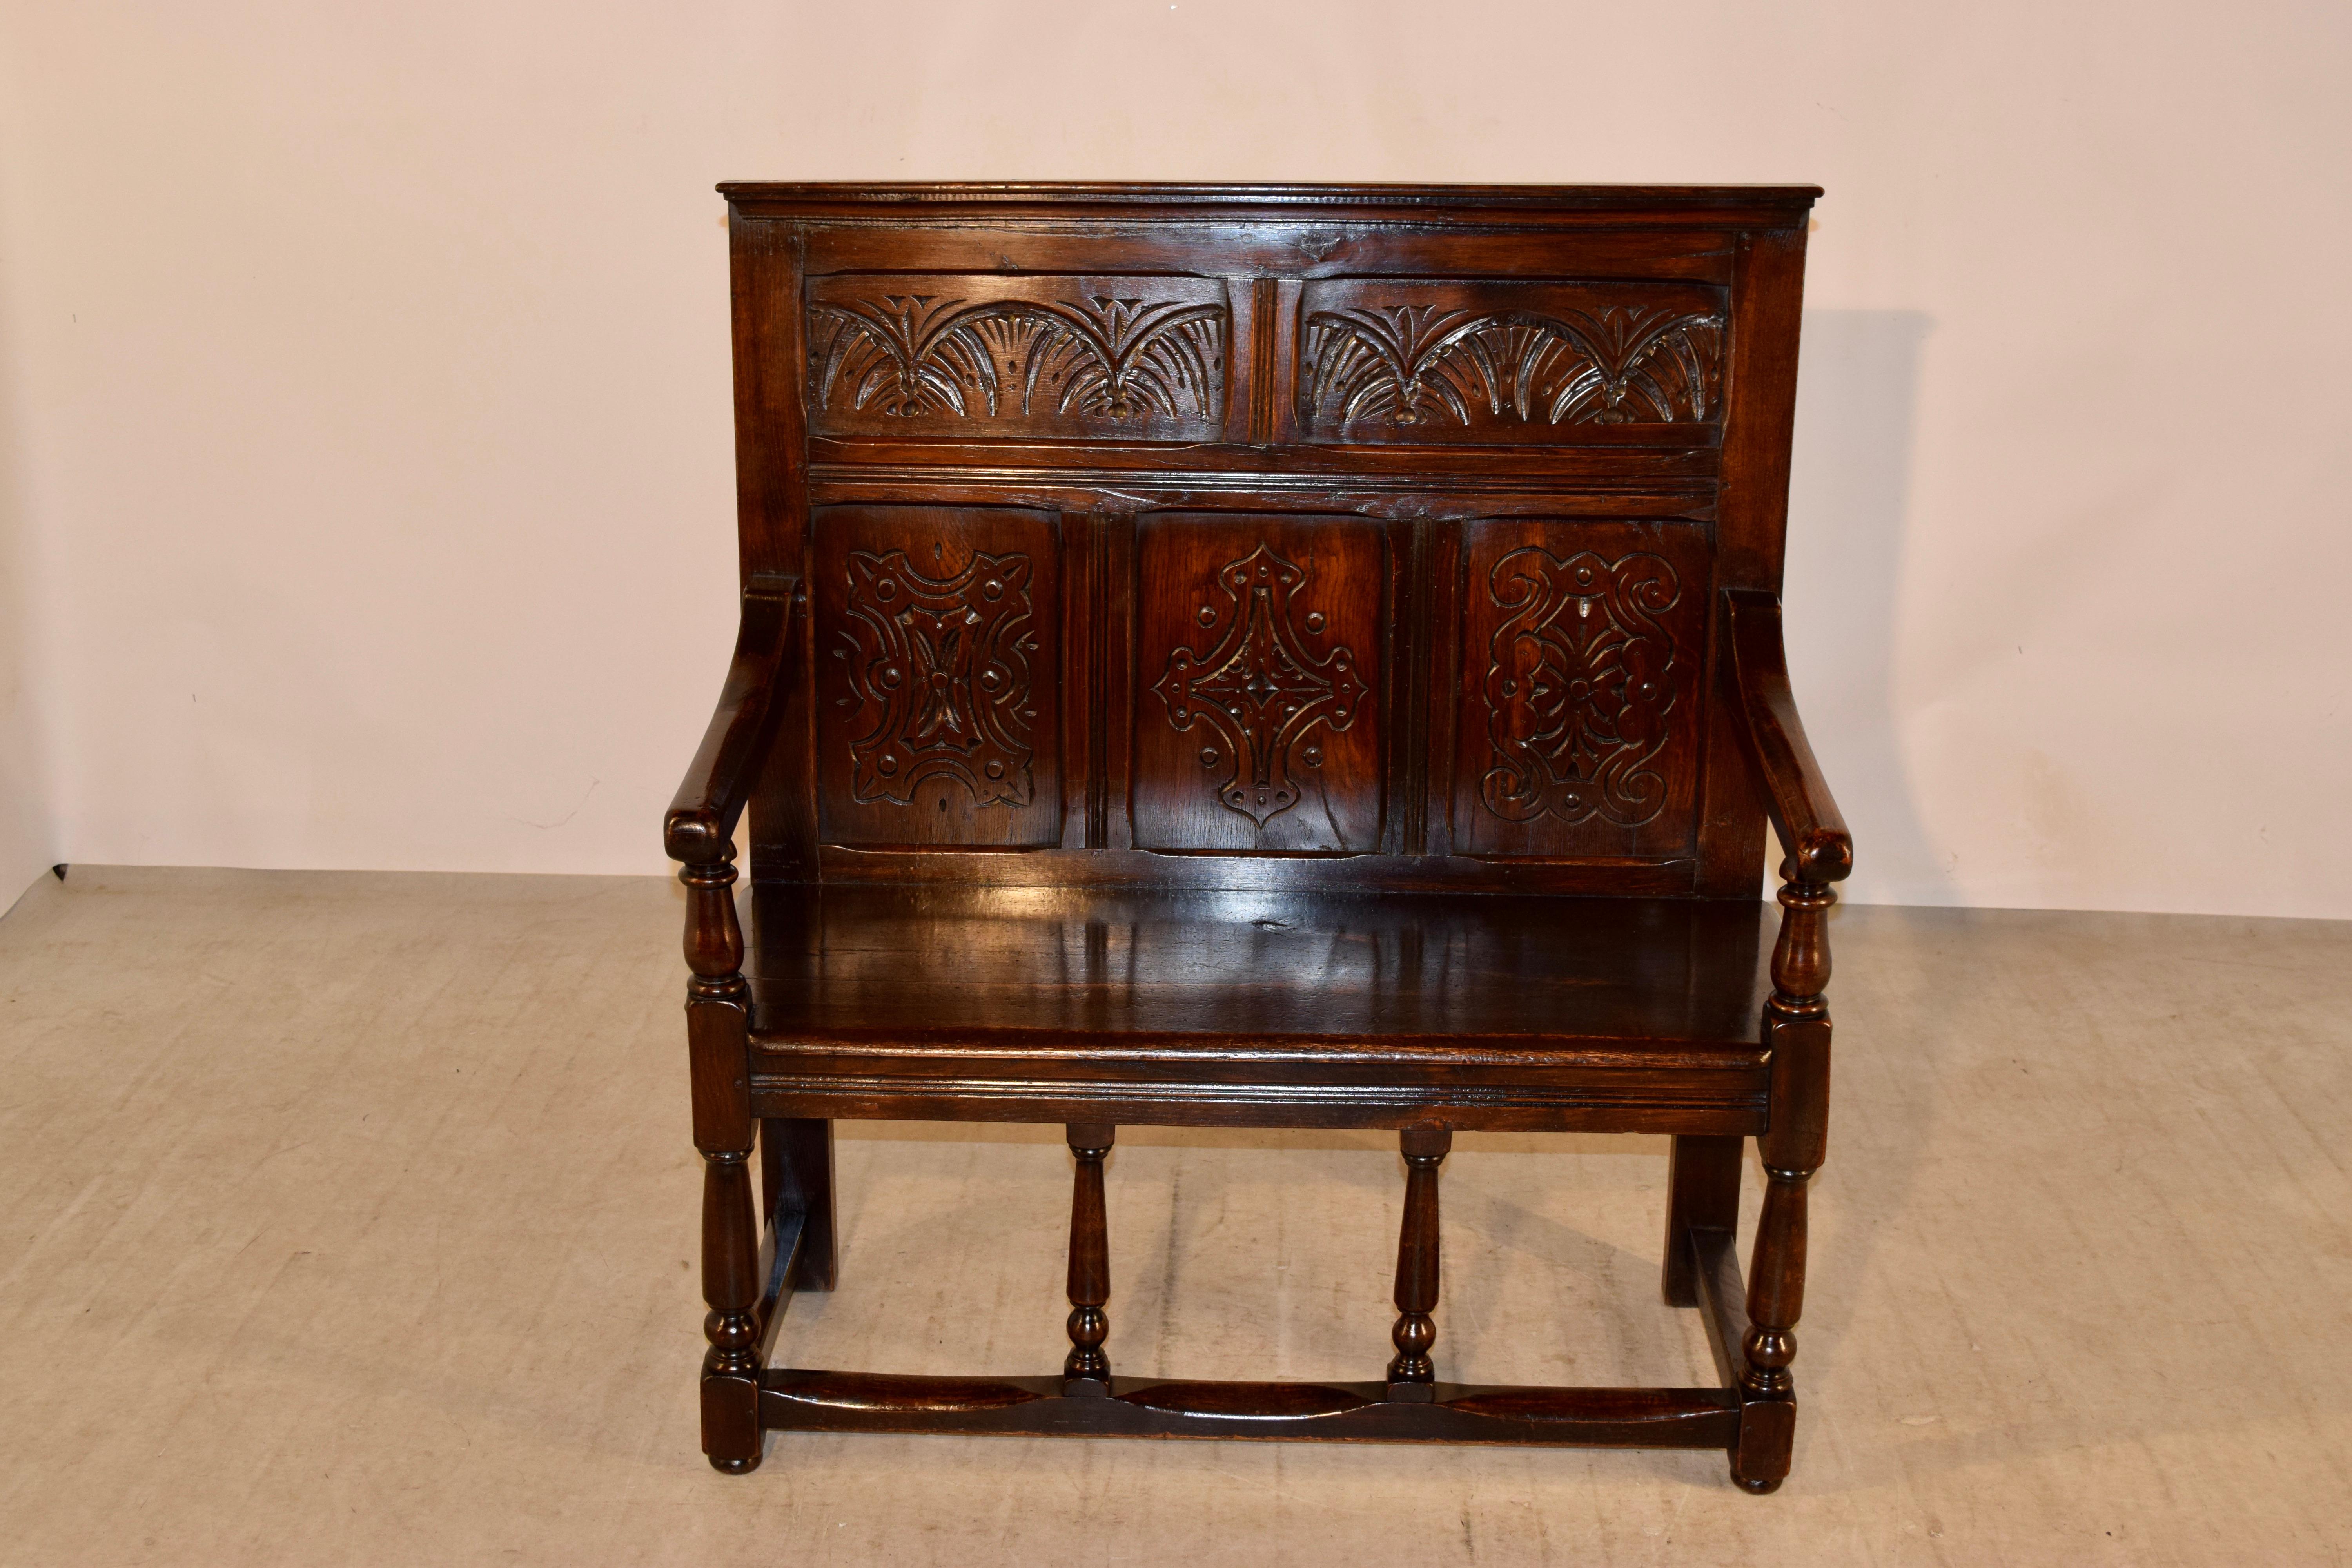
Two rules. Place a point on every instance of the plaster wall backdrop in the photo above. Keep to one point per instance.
(369, 404)
(27, 826)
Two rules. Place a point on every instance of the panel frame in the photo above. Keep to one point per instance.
(1751, 242)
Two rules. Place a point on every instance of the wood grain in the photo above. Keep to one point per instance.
(1581, 696)
(1259, 647)
(1275, 655)
(938, 676)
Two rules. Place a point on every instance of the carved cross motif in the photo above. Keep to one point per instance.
(939, 671)
(1261, 690)
(1577, 685)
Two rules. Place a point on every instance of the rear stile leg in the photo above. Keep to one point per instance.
(1702, 1193)
(1086, 1372)
(796, 1164)
(718, 1046)
(1412, 1374)
(1797, 1034)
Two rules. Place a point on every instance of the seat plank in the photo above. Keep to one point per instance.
(1247, 1009)
(1458, 980)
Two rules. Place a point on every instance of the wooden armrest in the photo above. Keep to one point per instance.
(708, 803)
(1812, 833)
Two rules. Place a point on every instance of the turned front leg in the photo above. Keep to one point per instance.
(1412, 1375)
(717, 1030)
(1085, 1373)
(1797, 1034)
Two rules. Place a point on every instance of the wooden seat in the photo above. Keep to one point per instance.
(1261, 1008)
(1260, 655)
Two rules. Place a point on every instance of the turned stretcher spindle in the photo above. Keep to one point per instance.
(1086, 1371)
(1412, 1374)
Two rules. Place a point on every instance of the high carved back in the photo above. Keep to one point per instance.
(1265, 536)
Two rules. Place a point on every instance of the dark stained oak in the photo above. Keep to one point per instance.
(1086, 1372)
(1702, 1193)
(938, 676)
(1411, 1374)
(1252, 1010)
(809, 1401)
(1581, 681)
(1260, 643)
(797, 1166)
(1398, 362)
(1804, 814)
(1030, 356)
(1627, 981)
(1287, 656)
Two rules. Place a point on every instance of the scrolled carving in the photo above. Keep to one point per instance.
(1261, 690)
(1578, 686)
(1419, 364)
(938, 669)
(917, 355)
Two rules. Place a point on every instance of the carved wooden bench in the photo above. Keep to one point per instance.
(1247, 656)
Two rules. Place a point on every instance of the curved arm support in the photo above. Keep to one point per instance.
(702, 817)
(1813, 834)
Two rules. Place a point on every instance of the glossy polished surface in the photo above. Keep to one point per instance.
(1355, 538)
(1098, 792)
(1457, 979)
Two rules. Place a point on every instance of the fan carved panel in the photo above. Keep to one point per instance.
(1114, 357)
(1406, 361)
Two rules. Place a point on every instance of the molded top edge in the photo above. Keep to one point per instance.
(840, 194)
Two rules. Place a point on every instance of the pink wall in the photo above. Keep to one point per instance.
(364, 377)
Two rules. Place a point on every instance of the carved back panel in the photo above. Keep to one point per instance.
(1417, 363)
(1254, 536)
(986, 358)
(1259, 647)
(937, 684)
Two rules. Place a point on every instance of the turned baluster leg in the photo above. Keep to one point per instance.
(719, 1044)
(1797, 1034)
(1086, 1371)
(1412, 1377)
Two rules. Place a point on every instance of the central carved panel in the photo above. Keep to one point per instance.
(1259, 641)
(1262, 691)
(1579, 681)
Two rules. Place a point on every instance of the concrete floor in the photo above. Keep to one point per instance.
(349, 1218)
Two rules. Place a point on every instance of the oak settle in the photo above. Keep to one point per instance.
(1261, 656)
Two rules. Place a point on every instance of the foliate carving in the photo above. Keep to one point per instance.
(939, 672)
(1420, 365)
(1578, 686)
(1261, 692)
(917, 355)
